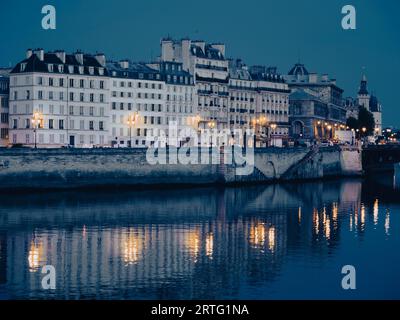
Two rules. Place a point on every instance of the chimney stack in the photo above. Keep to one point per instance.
(101, 59)
(60, 55)
(124, 64)
(79, 57)
(39, 53)
(28, 53)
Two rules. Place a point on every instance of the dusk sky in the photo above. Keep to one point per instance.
(269, 32)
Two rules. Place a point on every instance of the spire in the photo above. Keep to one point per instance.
(363, 86)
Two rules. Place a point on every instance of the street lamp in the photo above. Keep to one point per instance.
(273, 127)
(131, 122)
(36, 124)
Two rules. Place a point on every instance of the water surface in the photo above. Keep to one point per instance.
(286, 241)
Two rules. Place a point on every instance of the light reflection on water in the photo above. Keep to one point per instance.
(260, 242)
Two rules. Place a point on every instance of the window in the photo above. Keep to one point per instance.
(101, 125)
(71, 96)
(82, 97)
(27, 123)
(82, 83)
(71, 110)
(51, 124)
(15, 123)
(81, 111)
(91, 125)
(102, 84)
(61, 125)
(91, 111)
(91, 97)
(71, 83)
(101, 97)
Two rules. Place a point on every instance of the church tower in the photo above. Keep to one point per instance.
(363, 95)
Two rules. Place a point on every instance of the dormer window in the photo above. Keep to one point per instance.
(80, 69)
(50, 67)
(23, 67)
(60, 68)
(158, 76)
(101, 71)
(71, 69)
(114, 73)
(91, 70)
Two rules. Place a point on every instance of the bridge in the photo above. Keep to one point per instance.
(380, 158)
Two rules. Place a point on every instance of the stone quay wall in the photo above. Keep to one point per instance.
(75, 168)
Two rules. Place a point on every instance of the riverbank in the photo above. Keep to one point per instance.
(80, 168)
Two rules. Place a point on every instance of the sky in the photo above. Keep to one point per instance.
(268, 32)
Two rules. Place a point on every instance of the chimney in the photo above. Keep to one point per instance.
(39, 53)
(60, 55)
(124, 64)
(101, 59)
(313, 78)
(28, 53)
(79, 57)
(167, 50)
(220, 47)
(200, 43)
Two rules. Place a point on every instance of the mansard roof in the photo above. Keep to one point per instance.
(35, 64)
(298, 70)
(208, 53)
(135, 70)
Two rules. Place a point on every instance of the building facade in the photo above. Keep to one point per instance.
(180, 112)
(59, 100)
(317, 108)
(209, 67)
(137, 104)
(272, 106)
(4, 109)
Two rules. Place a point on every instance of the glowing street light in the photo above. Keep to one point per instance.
(131, 123)
(36, 121)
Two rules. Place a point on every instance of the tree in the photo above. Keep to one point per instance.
(352, 123)
(366, 120)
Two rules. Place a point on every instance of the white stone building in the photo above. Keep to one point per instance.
(180, 102)
(137, 103)
(4, 96)
(208, 65)
(59, 100)
(272, 106)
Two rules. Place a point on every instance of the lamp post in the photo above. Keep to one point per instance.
(211, 125)
(131, 122)
(273, 127)
(36, 122)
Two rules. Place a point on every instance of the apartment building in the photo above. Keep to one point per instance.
(59, 100)
(208, 65)
(137, 103)
(4, 96)
(180, 102)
